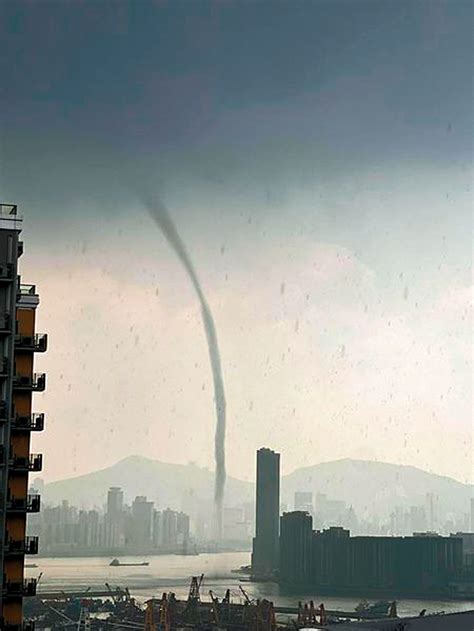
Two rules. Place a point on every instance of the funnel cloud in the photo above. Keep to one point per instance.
(161, 217)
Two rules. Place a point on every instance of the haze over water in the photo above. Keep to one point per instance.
(173, 572)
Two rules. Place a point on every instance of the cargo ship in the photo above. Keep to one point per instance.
(117, 563)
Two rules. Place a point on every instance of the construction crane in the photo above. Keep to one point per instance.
(165, 616)
(84, 622)
(246, 596)
(192, 612)
(194, 589)
(150, 616)
(307, 614)
(215, 607)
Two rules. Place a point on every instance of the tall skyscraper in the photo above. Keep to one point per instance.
(114, 501)
(18, 382)
(142, 513)
(265, 550)
(432, 511)
(114, 523)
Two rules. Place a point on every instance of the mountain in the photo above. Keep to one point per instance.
(370, 487)
(377, 487)
(162, 482)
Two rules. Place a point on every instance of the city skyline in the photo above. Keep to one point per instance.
(349, 494)
(250, 225)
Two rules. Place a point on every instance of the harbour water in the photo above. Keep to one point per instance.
(173, 572)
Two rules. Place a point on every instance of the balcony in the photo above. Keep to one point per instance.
(4, 366)
(33, 503)
(32, 422)
(29, 504)
(20, 588)
(28, 545)
(5, 324)
(35, 343)
(33, 462)
(26, 296)
(6, 272)
(8, 209)
(34, 383)
(26, 290)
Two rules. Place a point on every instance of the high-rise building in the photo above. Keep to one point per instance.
(332, 561)
(296, 538)
(18, 382)
(169, 527)
(114, 522)
(142, 516)
(182, 529)
(432, 511)
(114, 501)
(304, 501)
(265, 550)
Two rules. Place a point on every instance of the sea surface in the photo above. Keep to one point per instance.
(173, 573)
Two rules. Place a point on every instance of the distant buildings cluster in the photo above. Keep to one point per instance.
(402, 520)
(288, 548)
(136, 528)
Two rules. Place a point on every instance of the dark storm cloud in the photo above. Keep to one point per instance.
(226, 91)
(278, 126)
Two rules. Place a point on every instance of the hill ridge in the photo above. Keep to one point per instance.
(367, 485)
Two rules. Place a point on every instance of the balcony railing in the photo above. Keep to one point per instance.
(29, 504)
(6, 272)
(8, 209)
(20, 588)
(32, 422)
(35, 383)
(36, 343)
(33, 503)
(33, 462)
(4, 365)
(5, 323)
(26, 289)
(28, 545)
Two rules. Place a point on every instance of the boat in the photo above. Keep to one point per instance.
(381, 607)
(117, 563)
(243, 569)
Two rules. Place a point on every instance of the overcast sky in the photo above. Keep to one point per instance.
(317, 160)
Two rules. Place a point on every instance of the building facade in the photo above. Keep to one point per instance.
(18, 344)
(296, 530)
(265, 550)
(334, 562)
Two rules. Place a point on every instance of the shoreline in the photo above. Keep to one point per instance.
(112, 553)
